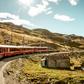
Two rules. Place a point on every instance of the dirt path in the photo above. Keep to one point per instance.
(2, 67)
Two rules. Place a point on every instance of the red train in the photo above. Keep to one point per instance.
(9, 50)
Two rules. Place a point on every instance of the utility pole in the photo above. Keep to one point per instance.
(23, 40)
(11, 38)
(40, 43)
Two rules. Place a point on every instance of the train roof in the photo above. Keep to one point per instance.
(24, 46)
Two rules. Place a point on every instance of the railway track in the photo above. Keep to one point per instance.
(3, 65)
(5, 61)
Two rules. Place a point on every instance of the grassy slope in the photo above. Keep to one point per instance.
(30, 71)
(39, 37)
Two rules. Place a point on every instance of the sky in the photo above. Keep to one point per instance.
(60, 16)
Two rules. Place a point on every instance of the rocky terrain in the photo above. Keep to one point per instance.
(18, 35)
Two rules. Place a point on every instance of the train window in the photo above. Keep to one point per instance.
(13, 49)
(27, 48)
(0, 50)
(41, 48)
(6, 49)
(24, 48)
(17, 49)
(3, 50)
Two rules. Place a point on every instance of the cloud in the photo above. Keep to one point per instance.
(27, 3)
(73, 2)
(63, 18)
(41, 8)
(35, 8)
(49, 12)
(7, 17)
(54, 1)
(34, 11)
(38, 9)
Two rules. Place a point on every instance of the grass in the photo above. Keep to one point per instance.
(31, 66)
(30, 70)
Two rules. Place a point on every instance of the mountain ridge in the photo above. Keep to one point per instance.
(19, 35)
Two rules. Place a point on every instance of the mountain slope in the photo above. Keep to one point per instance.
(18, 35)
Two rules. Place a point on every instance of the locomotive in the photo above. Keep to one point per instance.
(10, 50)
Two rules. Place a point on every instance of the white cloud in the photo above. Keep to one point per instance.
(49, 12)
(7, 17)
(38, 9)
(27, 23)
(26, 2)
(54, 1)
(34, 11)
(41, 8)
(35, 8)
(73, 2)
(63, 18)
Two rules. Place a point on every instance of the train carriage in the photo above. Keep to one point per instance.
(9, 50)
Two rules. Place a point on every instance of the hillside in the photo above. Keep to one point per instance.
(18, 35)
(29, 71)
